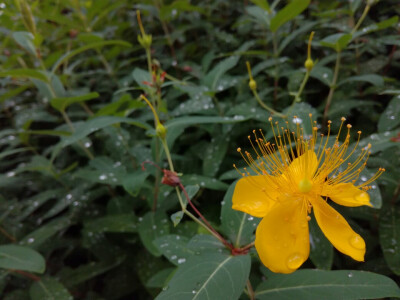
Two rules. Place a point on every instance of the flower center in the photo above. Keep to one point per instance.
(305, 185)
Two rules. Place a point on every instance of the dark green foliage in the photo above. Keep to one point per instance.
(83, 212)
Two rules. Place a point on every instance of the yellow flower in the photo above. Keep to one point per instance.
(296, 174)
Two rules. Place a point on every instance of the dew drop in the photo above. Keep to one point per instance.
(181, 260)
(31, 240)
(102, 177)
(173, 257)
(350, 275)
(357, 242)
(294, 261)
(194, 292)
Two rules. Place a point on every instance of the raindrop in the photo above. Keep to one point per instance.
(10, 174)
(202, 183)
(250, 218)
(181, 260)
(154, 227)
(294, 261)
(173, 257)
(297, 120)
(88, 144)
(69, 197)
(222, 202)
(165, 288)
(325, 75)
(103, 177)
(350, 275)
(31, 240)
(194, 292)
(2, 5)
(357, 242)
(364, 178)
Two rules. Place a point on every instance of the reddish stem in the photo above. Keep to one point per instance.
(26, 274)
(228, 245)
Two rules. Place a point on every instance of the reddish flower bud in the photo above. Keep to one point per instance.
(170, 178)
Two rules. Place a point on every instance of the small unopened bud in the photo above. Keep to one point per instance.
(170, 178)
(309, 64)
(253, 84)
(161, 131)
(145, 40)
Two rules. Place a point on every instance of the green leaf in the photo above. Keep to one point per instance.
(174, 248)
(49, 289)
(133, 181)
(204, 182)
(389, 236)
(371, 78)
(390, 118)
(261, 3)
(289, 12)
(176, 218)
(159, 279)
(191, 190)
(93, 125)
(61, 104)
(13, 92)
(378, 26)
(183, 122)
(321, 250)
(153, 225)
(24, 73)
(218, 275)
(26, 41)
(337, 41)
(379, 141)
(21, 258)
(238, 226)
(95, 45)
(85, 272)
(36, 238)
(212, 79)
(214, 155)
(113, 223)
(327, 285)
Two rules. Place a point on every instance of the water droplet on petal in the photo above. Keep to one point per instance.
(294, 261)
(357, 242)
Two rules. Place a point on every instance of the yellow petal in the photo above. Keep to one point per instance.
(303, 166)
(252, 195)
(282, 237)
(346, 194)
(337, 230)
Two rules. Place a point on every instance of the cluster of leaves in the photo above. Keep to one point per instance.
(81, 219)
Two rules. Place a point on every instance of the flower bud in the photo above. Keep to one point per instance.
(161, 131)
(145, 40)
(170, 178)
(253, 84)
(309, 64)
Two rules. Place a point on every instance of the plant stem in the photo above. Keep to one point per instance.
(265, 106)
(205, 223)
(68, 121)
(215, 233)
(7, 235)
(332, 86)
(276, 77)
(364, 14)
(250, 290)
